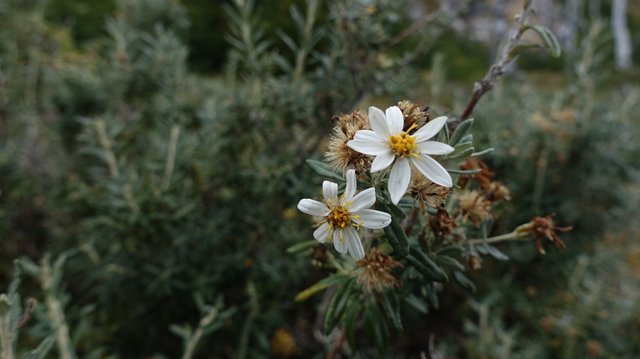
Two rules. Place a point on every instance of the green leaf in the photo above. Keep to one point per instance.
(320, 285)
(391, 308)
(549, 40)
(337, 306)
(417, 303)
(324, 170)
(376, 326)
(438, 276)
(464, 281)
(42, 350)
(483, 152)
(351, 322)
(464, 172)
(461, 150)
(435, 272)
(393, 240)
(517, 50)
(395, 234)
(460, 131)
(451, 251)
(449, 263)
(302, 246)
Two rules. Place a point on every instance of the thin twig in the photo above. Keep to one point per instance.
(413, 28)
(253, 312)
(497, 69)
(55, 312)
(337, 345)
(105, 143)
(197, 335)
(171, 157)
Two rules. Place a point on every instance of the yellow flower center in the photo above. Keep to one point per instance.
(339, 217)
(403, 144)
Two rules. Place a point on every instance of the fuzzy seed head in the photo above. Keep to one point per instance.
(375, 272)
(339, 154)
(414, 115)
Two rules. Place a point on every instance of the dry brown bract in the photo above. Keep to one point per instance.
(483, 177)
(441, 224)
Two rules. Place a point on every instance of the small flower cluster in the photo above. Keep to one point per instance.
(399, 139)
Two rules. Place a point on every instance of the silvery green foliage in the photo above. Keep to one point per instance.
(169, 185)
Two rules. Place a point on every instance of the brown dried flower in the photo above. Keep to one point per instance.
(319, 256)
(474, 206)
(374, 272)
(441, 224)
(475, 262)
(426, 192)
(339, 154)
(413, 115)
(483, 177)
(496, 191)
(542, 228)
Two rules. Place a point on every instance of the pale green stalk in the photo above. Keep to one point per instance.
(197, 335)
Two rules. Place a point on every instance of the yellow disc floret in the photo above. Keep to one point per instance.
(403, 144)
(339, 217)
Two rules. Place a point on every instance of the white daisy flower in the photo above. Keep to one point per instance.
(389, 143)
(342, 216)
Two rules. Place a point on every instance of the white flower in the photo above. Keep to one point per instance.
(342, 216)
(388, 142)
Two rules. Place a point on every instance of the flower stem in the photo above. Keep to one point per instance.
(513, 236)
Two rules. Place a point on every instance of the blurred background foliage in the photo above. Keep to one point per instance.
(159, 147)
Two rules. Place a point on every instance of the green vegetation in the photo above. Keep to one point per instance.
(152, 153)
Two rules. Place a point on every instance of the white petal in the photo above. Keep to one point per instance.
(364, 199)
(399, 179)
(434, 171)
(395, 118)
(330, 192)
(434, 148)
(322, 232)
(350, 188)
(372, 219)
(313, 207)
(382, 161)
(368, 142)
(431, 128)
(354, 246)
(378, 122)
(339, 241)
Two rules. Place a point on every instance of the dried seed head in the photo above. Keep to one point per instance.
(319, 256)
(483, 177)
(542, 228)
(496, 191)
(426, 192)
(283, 344)
(441, 224)
(474, 206)
(339, 154)
(474, 262)
(375, 272)
(413, 115)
